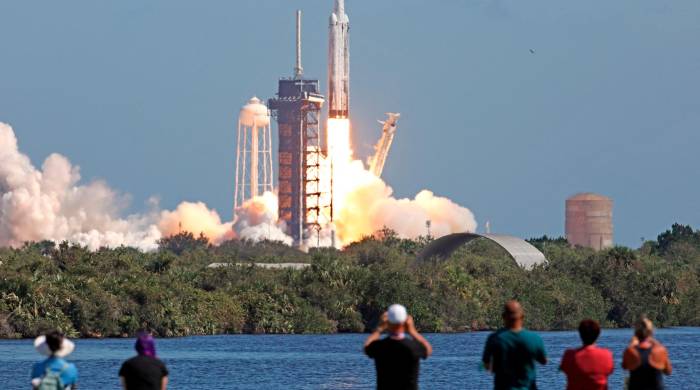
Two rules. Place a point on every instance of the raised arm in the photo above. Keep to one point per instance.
(666, 369)
(377, 333)
(630, 359)
(411, 330)
(487, 355)
(541, 353)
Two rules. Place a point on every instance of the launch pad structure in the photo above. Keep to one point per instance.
(306, 172)
(297, 108)
(304, 196)
(302, 192)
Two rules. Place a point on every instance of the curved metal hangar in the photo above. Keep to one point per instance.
(524, 254)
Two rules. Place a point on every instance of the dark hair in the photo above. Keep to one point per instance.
(589, 330)
(54, 340)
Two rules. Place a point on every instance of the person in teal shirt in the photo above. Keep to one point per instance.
(511, 352)
(56, 347)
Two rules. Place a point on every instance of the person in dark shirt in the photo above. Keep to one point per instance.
(144, 371)
(646, 358)
(397, 357)
(511, 352)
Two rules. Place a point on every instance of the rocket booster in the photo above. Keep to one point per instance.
(338, 62)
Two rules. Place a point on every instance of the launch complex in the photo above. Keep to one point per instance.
(308, 153)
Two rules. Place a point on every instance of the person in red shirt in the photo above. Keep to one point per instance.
(589, 366)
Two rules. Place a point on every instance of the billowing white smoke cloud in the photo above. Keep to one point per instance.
(197, 219)
(50, 204)
(257, 220)
(369, 206)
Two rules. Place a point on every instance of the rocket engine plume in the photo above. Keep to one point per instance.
(363, 203)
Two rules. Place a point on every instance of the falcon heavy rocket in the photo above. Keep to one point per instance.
(338, 62)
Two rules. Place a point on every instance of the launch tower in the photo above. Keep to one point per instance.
(297, 107)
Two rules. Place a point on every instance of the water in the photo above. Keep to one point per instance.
(328, 361)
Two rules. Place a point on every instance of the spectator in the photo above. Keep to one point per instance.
(646, 358)
(144, 371)
(54, 372)
(511, 352)
(397, 357)
(589, 366)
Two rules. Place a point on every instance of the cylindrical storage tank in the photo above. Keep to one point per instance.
(589, 221)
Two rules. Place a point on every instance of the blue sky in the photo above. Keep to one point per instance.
(145, 96)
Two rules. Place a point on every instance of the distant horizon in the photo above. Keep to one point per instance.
(527, 104)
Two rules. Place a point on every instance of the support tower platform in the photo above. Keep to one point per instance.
(297, 107)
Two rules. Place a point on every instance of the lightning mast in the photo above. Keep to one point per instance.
(298, 69)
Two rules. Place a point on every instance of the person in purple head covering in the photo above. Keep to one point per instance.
(144, 371)
(146, 345)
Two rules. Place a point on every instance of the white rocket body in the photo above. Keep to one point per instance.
(338, 62)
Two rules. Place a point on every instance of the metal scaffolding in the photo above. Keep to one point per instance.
(297, 108)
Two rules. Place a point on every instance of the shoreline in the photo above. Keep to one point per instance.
(350, 333)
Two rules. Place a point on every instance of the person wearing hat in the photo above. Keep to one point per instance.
(646, 358)
(397, 357)
(144, 371)
(55, 371)
(511, 352)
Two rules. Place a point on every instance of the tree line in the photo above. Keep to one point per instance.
(171, 291)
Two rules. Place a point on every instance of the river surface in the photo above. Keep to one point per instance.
(328, 361)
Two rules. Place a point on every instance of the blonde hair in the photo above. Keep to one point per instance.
(643, 328)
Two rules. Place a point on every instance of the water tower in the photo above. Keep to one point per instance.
(589, 221)
(253, 153)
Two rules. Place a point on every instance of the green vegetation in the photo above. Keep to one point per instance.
(115, 292)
